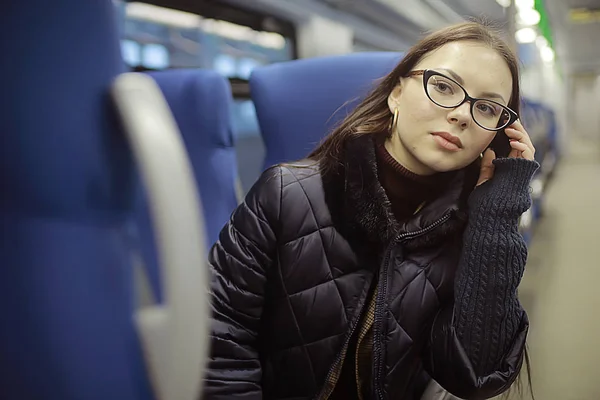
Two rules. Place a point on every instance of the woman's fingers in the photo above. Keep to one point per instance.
(520, 142)
(520, 136)
(520, 150)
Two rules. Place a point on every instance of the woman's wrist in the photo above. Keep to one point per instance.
(508, 192)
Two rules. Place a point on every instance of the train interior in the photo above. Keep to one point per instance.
(131, 130)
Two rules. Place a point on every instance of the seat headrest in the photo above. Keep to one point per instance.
(299, 102)
(61, 150)
(190, 94)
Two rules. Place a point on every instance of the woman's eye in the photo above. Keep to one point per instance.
(443, 87)
(486, 108)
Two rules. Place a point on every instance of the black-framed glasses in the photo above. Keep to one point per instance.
(447, 93)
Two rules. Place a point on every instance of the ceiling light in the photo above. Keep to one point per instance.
(524, 4)
(528, 17)
(525, 35)
(547, 54)
(541, 42)
(504, 3)
(243, 33)
(161, 15)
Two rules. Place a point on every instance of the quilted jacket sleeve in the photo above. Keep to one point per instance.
(239, 263)
(477, 344)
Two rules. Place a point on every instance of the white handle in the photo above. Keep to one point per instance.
(175, 334)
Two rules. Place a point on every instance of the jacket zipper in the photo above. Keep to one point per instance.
(334, 372)
(381, 295)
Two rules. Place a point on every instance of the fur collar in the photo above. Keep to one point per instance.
(361, 208)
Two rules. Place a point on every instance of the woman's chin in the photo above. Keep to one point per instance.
(443, 164)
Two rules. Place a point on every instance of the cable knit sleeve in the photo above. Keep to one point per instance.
(477, 343)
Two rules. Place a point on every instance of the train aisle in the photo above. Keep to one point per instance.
(561, 288)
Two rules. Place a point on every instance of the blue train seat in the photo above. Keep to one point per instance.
(298, 102)
(66, 177)
(200, 101)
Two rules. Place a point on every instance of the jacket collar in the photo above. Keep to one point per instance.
(361, 208)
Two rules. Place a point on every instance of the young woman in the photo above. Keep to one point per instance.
(391, 256)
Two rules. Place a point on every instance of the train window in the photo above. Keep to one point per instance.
(161, 34)
(155, 56)
(225, 65)
(245, 67)
(131, 52)
(193, 41)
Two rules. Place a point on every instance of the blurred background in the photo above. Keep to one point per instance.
(557, 42)
(234, 37)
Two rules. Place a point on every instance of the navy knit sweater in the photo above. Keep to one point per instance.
(486, 312)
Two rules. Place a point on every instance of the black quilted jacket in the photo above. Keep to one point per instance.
(292, 270)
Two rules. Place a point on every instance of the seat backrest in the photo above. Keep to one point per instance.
(298, 102)
(200, 101)
(66, 180)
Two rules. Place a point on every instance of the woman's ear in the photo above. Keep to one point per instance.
(394, 97)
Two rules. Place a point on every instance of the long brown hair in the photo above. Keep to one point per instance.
(373, 116)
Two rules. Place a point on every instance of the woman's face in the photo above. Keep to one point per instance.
(420, 142)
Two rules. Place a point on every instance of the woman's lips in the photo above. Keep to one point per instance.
(447, 141)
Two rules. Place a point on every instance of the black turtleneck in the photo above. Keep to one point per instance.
(406, 190)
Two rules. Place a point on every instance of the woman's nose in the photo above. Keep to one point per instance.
(461, 115)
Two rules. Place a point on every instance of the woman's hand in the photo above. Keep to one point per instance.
(521, 144)
(521, 147)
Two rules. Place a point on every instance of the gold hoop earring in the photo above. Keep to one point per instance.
(394, 122)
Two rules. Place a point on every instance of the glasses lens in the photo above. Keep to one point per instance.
(490, 115)
(447, 93)
(444, 92)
